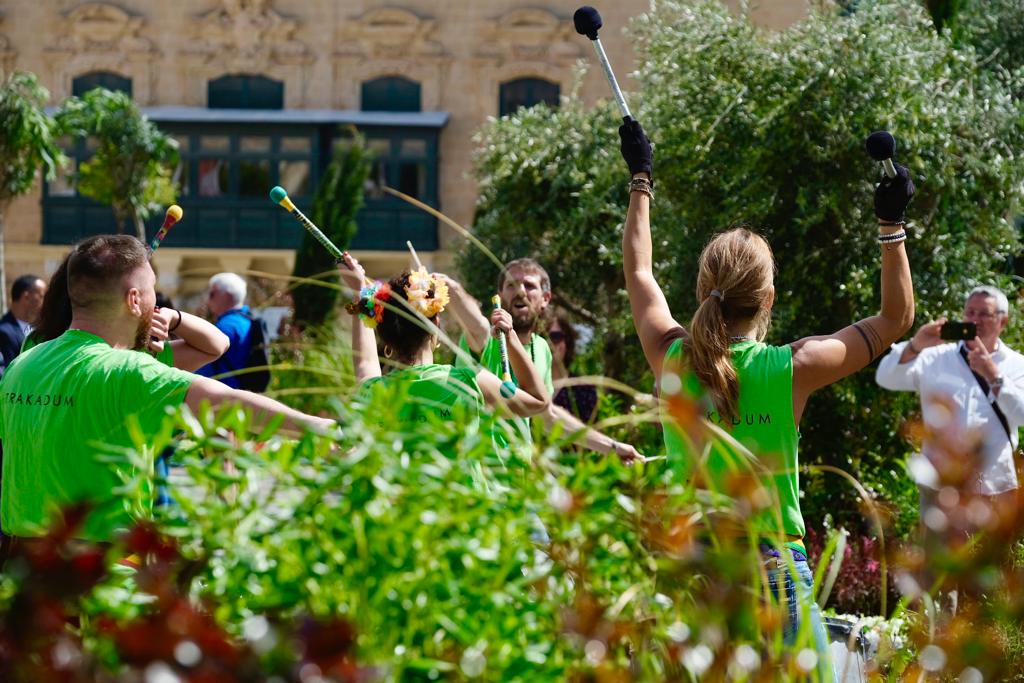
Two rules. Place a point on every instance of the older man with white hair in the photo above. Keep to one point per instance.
(226, 302)
(971, 389)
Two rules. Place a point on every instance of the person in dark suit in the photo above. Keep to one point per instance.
(26, 300)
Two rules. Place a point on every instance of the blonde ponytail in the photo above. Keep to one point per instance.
(711, 358)
(734, 282)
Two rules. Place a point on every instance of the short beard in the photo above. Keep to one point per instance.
(142, 333)
(524, 323)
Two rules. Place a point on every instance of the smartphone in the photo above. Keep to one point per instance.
(954, 330)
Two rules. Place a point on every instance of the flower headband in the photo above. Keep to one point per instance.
(370, 304)
(426, 293)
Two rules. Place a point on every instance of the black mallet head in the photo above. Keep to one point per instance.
(587, 21)
(881, 145)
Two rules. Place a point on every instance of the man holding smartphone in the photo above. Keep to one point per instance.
(972, 399)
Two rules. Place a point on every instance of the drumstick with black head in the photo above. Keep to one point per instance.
(587, 21)
(881, 146)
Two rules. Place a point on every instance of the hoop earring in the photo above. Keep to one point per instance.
(388, 351)
(437, 343)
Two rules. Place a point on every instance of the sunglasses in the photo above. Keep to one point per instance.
(556, 336)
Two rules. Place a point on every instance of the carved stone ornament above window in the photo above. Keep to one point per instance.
(100, 27)
(389, 33)
(248, 34)
(530, 34)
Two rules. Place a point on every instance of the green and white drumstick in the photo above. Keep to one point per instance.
(279, 195)
(508, 387)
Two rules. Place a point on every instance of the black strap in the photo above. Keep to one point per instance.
(984, 389)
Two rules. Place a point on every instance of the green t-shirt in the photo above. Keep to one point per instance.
(62, 404)
(425, 393)
(165, 355)
(28, 342)
(539, 353)
(764, 425)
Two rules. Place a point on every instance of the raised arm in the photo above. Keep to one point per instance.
(651, 315)
(532, 396)
(199, 342)
(820, 361)
(467, 313)
(364, 341)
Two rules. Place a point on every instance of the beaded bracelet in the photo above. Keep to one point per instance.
(893, 238)
(642, 185)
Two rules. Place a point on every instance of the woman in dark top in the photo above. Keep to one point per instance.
(578, 399)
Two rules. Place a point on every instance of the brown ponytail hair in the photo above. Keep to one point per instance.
(55, 315)
(734, 282)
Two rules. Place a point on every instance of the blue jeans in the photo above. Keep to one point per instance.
(162, 469)
(799, 603)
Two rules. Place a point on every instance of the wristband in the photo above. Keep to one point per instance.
(893, 237)
(175, 326)
(641, 184)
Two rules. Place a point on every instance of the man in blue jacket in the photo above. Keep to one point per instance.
(226, 301)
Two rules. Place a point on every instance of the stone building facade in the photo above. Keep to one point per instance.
(254, 91)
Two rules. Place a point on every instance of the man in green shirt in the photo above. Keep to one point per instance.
(525, 291)
(66, 403)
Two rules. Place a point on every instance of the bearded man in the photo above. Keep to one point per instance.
(525, 291)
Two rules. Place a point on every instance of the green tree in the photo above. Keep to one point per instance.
(767, 128)
(995, 28)
(131, 169)
(27, 144)
(944, 12)
(339, 196)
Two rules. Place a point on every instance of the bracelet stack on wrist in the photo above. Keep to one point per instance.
(892, 237)
(641, 184)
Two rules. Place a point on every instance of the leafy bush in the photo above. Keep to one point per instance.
(58, 582)
(858, 585)
(415, 552)
(995, 28)
(476, 565)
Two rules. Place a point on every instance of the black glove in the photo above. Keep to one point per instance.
(893, 194)
(636, 148)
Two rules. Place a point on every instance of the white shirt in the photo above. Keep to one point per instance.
(26, 328)
(940, 373)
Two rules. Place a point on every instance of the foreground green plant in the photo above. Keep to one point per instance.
(378, 557)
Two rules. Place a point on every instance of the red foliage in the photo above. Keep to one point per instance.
(858, 588)
(39, 644)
